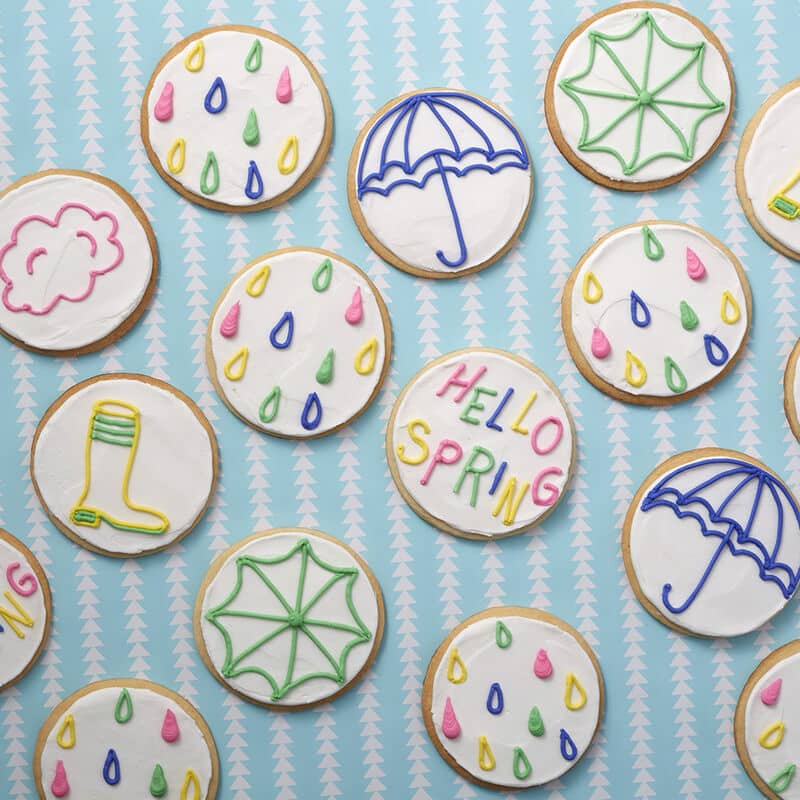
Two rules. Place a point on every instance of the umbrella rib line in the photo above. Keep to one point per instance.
(339, 626)
(337, 669)
(260, 643)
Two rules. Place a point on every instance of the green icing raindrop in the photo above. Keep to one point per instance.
(210, 167)
(676, 380)
(535, 723)
(325, 371)
(780, 783)
(268, 409)
(522, 767)
(653, 249)
(253, 61)
(250, 132)
(158, 783)
(502, 635)
(322, 277)
(688, 317)
(123, 711)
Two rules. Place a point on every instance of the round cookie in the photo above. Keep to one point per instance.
(299, 343)
(791, 390)
(128, 739)
(639, 95)
(765, 725)
(512, 698)
(440, 182)
(78, 262)
(481, 444)
(665, 327)
(25, 609)
(768, 171)
(235, 118)
(124, 464)
(711, 543)
(289, 618)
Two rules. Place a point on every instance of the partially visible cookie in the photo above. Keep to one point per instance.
(791, 390)
(711, 543)
(639, 95)
(78, 262)
(128, 739)
(236, 118)
(124, 464)
(289, 618)
(25, 609)
(513, 698)
(656, 312)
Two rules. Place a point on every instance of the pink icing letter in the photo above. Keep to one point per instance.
(543, 451)
(455, 380)
(553, 491)
(440, 458)
(450, 727)
(26, 585)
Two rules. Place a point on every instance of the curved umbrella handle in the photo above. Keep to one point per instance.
(462, 253)
(667, 588)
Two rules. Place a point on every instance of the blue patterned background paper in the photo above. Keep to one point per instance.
(72, 74)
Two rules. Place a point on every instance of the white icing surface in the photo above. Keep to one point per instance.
(512, 668)
(273, 657)
(15, 653)
(319, 324)
(138, 745)
(438, 497)
(656, 137)
(414, 223)
(665, 549)
(66, 266)
(225, 53)
(621, 266)
(758, 716)
(172, 470)
(772, 160)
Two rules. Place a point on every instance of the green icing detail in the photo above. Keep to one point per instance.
(780, 782)
(325, 371)
(253, 61)
(293, 621)
(676, 380)
(689, 319)
(123, 711)
(158, 783)
(653, 248)
(641, 98)
(785, 207)
(250, 132)
(211, 167)
(321, 279)
(268, 409)
(522, 767)
(502, 634)
(535, 723)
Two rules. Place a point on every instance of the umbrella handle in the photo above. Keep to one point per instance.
(667, 588)
(462, 253)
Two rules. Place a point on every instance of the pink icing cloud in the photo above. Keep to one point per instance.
(100, 252)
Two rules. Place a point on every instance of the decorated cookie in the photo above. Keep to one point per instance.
(289, 618)
(766, 728)
(513, 698)
(25, 609)
(639, 95)
(768, 171)
(236, 118)
(124, 464)
(127, 739)
(78, 262)
(791, 391)
(664, 326)
(480, 443)
(440, 182)
(711, 543)
(299, 343)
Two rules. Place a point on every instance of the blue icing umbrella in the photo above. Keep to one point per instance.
(434, 135)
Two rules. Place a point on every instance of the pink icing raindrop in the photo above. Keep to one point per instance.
(694, 266)
(450, 727)
(284, 90)
(355, 311)
(230, 323)
(542, 668)
(163, 110)
(60, 785)
(601, 347)
(169, 729)
(769, 694)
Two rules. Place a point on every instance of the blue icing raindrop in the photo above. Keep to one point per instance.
(286, 321)
(640, 313)
(253, 177)
(218, 89)
(568, 749)
(716, 352)
(312, 404)
(494, 702)
(111, 768)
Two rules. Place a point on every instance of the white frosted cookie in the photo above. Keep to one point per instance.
(440, 182)
(299, 343)
(768, 170)
(656, 312)
(25, 609)
(711, 543)
(791, 390)
(639, 95)
(78, 262)
(480, 443)
(289, 618)
(127, 739)
(236, 118)
(124, 464)
(513, 698)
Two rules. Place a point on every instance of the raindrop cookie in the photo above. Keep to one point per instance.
(124, 464)
(481, 444)
(766, 726)
(791, 390)
(78, 262)
(513, 698)
(289, 618)
(768, 171)
(639, 95)
(299, 343)
(667, 325)
(711, 543)
(25, 609)
(440, 182)
(128, 739)
(236, 119)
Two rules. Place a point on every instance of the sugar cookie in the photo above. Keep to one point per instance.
(791, 390)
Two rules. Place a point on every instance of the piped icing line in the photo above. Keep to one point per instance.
(673, 374)
(572, 686)
(521, 765)
(365, 357)
(716, 352)
(176, 156)
(26, 586)
(270, 405)
(569, 750)
(191, 783)
(321, 279)
(65, 738)
(772, 736)
(653, 248)
(252, 62)
(123, 711)
(163, 107)
(312, 406)
(770, 693)
(456, 668)
(209, 175)
(282, 333)
(591, 288)
(258, 281)
(288, 155)
(782, 779)
(237, 364)
(495, 702)
(112, 773)
(254, 183)
(195, 57)
(729, 309)
(486, 759)
(502, 635)
(635, 371)
(640, 313)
